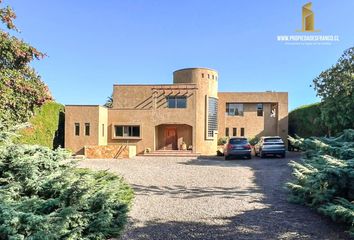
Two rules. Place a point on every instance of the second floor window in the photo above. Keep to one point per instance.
(234, 109)
(176, 102)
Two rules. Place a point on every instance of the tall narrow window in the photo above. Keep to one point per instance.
(242, 132)
(234, 132)
(102, 130)
(212, 116)
(259, 109)
(202, 75)
(77, 129)
(226, 132)
(87, 129)
(208, 75)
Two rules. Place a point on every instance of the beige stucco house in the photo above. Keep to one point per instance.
(189, 114)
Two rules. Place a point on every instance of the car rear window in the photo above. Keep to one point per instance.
(238, 141)
(273, 140)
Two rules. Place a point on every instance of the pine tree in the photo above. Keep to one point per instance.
(324, 179)
(44, 196)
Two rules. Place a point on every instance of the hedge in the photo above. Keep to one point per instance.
(305, 121)
(46, 127)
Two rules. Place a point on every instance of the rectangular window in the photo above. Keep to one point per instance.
(234, 132)
(102, 130)
(77, 129)
(202, 75)
(87, 129)
(126, 131)
(177, 102)
(234, 109)
(212, 116)
(226, 132)
(242, 132)
(260, 109)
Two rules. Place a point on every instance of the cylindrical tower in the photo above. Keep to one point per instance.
(205, 130)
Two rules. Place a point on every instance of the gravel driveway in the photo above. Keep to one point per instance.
(184, 198)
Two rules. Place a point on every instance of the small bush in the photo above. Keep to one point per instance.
(253, 141)
(222, 140)
(44, 196)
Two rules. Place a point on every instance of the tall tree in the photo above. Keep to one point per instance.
(109, 102)
(335, 87)
(21, 88)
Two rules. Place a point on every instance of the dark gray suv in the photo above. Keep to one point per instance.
(237, 147)
(270, 146)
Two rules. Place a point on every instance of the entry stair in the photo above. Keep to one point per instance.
(171, 153)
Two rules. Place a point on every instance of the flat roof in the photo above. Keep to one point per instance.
(249, 92)
(84, 105)
(183, 69)
(170, 84)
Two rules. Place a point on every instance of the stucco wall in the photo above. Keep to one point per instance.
(255, 125)
(146, 106)
(155, 112)
(81, 114)
(207, 84)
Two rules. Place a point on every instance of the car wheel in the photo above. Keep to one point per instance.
(262, 155)
(283, 155)
(227, 157)
(249, 156)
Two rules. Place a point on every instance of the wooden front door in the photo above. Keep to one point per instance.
(170, 138)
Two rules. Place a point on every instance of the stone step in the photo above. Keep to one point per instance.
(171, 153)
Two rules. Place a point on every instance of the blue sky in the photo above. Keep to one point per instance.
(93, 44)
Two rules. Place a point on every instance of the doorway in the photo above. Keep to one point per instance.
(171, 138)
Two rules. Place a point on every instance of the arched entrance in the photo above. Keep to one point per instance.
(172, 136)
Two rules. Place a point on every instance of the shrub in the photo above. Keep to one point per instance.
(46, 127)
(222, 140)
(253, 141)
(44, 196)
(324, 179)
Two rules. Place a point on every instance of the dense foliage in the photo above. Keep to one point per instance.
(324, 179)
(46, 127)
(21, 88)
(335, 87)
(303, 119)
(44, 196)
